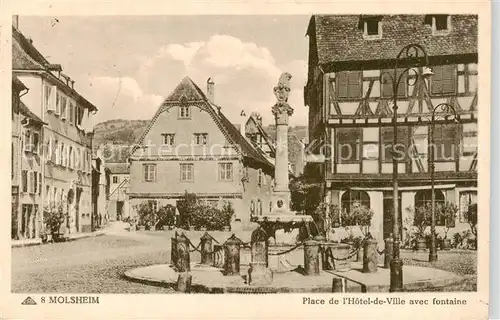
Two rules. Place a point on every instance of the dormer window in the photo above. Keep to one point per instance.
(371, 26)
(440, 24)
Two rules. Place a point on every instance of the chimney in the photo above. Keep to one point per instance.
(257, 117)
(210, 90)
(15, 21)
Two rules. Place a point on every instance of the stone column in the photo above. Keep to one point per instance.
(259, 273)
(232, 256)
(206, 249)
(281, 111)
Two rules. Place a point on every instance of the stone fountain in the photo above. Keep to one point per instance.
(281, 217)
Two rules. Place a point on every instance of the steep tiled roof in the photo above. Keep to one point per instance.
(339, 37)
(24, 110)
(25, 56)
(188, 89)
(118, 168)
(192, 93)
(17, 84)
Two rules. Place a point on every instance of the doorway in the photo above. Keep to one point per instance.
(119, 210)
(388, 215)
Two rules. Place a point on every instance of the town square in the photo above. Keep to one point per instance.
(192, 154)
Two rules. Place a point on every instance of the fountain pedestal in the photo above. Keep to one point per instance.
(259, 273)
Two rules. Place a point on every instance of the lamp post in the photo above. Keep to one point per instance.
(412, 54)
(445, 109)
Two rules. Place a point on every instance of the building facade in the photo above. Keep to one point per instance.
(119, 202)
(190, 146)
(26, 169)
(351, 109)
(67, 134)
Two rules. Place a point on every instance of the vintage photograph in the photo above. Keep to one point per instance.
(245, 154)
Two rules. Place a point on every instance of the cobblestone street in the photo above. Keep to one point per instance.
(93, 265)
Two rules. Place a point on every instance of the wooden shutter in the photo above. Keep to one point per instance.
(448, 79)
(354, 84)
(341, 82)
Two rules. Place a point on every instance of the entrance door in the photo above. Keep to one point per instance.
(388, 215)
(119, 210)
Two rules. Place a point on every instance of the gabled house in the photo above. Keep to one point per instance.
(67, 132)
(350, 112)
(27, 167)
(191, 146)
(119, 204)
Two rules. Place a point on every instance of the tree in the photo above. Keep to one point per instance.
(447, 212)
(472, 218)
(186, 207)
(53, 218)
(422, 216)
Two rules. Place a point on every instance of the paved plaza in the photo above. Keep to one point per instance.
(98, 264)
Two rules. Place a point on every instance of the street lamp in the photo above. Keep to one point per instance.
(445, 110)
(415, 55)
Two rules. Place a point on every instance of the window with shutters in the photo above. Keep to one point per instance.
(200, 139)
(226, 171)
(187, 172)
(39, 183)
(387, 83)
(184, 112)
(149, 172)
(24, 180)
(71, 112)
(33, 182)
(444, 142)
(349, 84)
(348, 145)
(64, 110)
(27, 140)
(168, 139)
(388, 141)
(58, 103)
(444, 80)
(35, 141)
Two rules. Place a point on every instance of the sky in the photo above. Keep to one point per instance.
(127, 65)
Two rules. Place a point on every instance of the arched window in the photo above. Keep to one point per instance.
(252, 208)
(352, 196)
(423, 198)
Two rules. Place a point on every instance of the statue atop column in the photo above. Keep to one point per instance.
(281, 109)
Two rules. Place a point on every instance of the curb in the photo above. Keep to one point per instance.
(38, 242)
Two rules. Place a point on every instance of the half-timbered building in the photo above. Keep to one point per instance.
(351, 109)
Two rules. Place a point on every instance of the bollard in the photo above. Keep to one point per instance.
(340, 254)
(388, 252)
(183, 263)
(184, 282)
(173, 250)
(206, 249)
(370, 256)
(311, 257)
(232, 256)
(339, 285)
(218, 256)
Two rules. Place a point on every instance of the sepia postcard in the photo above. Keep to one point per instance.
(245, 160)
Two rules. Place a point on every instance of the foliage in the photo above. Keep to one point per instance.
(187, 207)
(422, 216)
(328, 216)
(464, 240)
(165, 216)
(447, 212)
(146, 213)
(210, 217)
(53, 218)
(361, 216)
(305, 198)
(471, 216)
